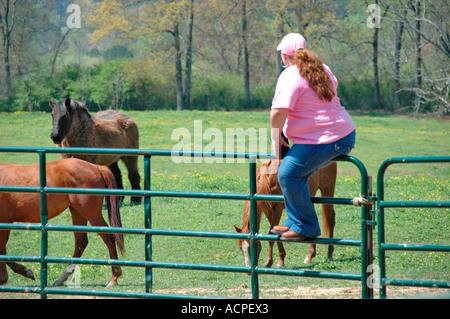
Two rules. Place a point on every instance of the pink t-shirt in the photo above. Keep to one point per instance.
(310, 120)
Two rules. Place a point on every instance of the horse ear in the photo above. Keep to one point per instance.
(52, 104)
(67, 102)
(237, 229)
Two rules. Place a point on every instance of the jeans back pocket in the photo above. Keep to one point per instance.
(343, 149)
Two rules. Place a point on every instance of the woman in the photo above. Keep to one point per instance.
(307, 110)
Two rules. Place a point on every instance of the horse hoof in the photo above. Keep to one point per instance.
(307, 261)
(135, 201)
(29, 274)
(330, 259)
(3, 280)
(58, 283)
(112, 284)
(279, 266)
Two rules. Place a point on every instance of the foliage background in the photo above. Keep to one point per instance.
(125, 54)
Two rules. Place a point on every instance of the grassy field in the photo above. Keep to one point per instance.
(378, 137)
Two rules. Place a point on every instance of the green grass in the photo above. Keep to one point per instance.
(378, 138)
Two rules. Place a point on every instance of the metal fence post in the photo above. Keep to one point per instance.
(366, 250)
(148, 231)
(148, 224)
(44, 221)
(253, 227)
(382, 204)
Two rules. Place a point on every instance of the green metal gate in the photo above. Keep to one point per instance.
(365, 243)
(383, 246)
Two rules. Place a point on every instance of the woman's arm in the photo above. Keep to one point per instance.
(277, 120)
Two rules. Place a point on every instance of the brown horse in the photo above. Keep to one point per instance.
(74, 126)
(25, 207)
(324, 179)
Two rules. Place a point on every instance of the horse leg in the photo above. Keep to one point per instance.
(114, 167)
(16, 267)
(81, 242)
(327, 178)
(4, 234)
(133, 175)
(328, 222)
(269, 260)
(20, 269)
(268, 212)
(3, 273)
(313, 187)
(276, 216)
(110, 242)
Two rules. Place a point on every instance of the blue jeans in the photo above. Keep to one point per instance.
(302, 161)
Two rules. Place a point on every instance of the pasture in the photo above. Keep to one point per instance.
(378, 138)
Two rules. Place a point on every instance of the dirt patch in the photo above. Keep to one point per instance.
(244, 292)
(314, 292)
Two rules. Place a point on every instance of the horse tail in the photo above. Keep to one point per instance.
(112, 203)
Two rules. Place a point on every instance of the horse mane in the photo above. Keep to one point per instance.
(79, 107)
(80, 135)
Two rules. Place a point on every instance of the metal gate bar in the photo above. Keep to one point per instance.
(148, 231)
(383, 246)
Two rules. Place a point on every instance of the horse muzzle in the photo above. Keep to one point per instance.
(55, 138)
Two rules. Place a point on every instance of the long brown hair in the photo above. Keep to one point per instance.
(311, 68)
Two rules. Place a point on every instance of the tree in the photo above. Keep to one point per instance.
(432, 14)
(7, 21)
(27, 34)
(428, 29)
(416, 6)
(375, 44)
(245, 53)
(57, 50)
(188, 65)
(399, 28)
(141, 20)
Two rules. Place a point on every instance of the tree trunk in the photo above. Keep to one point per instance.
(7, 20)
(418, 77)
(28, 90)
(376, 79)
(58, 47)
(398, 49)
(6, 46)
(245, 55)
(178, 67)
(280, 29)
(188, 67)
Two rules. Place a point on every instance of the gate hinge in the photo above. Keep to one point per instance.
(372, 222)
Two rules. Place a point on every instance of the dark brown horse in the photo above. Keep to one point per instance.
(74, 126)
(25, 207)
(324, 179)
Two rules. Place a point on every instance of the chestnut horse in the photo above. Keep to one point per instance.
(74, 126)
(25, 207)
(324, 179)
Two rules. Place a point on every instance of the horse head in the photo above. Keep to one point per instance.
(61, 113)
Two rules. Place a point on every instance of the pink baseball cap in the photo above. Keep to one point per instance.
(291, 43)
